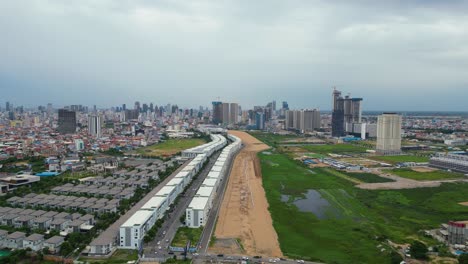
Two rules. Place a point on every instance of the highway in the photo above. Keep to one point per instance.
(159, 247)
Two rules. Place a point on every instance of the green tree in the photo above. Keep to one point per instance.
(418, 250)
(463, 259)
(66, 248)
(395, 257)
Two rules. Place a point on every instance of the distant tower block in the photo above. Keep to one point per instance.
(389, 134)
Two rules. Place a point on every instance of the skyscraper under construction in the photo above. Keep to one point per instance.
(345, 110)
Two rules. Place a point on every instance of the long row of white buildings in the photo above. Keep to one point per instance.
(135, 228)
(198, 210)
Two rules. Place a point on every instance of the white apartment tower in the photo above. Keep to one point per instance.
(389, 134)
(95, 123)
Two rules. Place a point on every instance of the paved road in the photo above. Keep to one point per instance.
(235, 259)
(169, 228)
(112, 232)
(213, 215)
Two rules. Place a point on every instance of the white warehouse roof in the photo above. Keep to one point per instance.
(205, 191)
(174, 181)
(198, 203)
(214, 174)
(165, 191)
(210, 182)
(138, 218)
(153, 203)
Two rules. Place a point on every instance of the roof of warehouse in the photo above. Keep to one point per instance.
(213, 174)
(138, 218)
(166, 190)
(216, 168)
(210, 182)
(198, 203)
(175, 181)
(154, 202)
(182, 174)
(205, 191)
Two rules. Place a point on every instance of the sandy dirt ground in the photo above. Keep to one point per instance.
(423, 169)
(401, 183)
(463, 203)
(244, 212)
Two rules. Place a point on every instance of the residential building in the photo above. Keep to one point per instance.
(389, 134)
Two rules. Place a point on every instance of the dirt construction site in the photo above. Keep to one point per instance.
(244, 221)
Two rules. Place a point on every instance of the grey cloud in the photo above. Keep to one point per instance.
(190, 52)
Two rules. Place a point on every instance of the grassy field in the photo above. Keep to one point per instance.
(336, 149)
(170, 147)
(402, 158)
(272, 139)
(352, 214)
(120, 256)
(186, 233)
(367, 177)
(425, 176)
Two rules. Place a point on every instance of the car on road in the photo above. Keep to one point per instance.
(170, 253)
(159, 242)
(300, 261)
(167, 240)
(245, 258)
(195, 254)
(220, 255)
(257, 257)
(164, 232)
(159, 247)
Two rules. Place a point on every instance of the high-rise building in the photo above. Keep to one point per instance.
(217, 112)
(8, 107)
(289, 119)
(233, 113)
(49, 108)
(345, 111)
(95, 123)
(337, 115)
(124, 107)
(285, 105)
(260, 120)
(66, 121)
(137, 106)
(303, 120)
(131, 114)
(389, 134)
(225, 117)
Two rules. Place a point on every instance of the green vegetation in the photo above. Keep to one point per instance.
(315, 155)
(273, 139)
(367, 177)
(14, 165)
(113, 152)
(367, 216)
(425, 176)
(170, 147)
(402, 158)
(153, 231)
(177, 261)
(418, 250)
(336, 149)
(463, 259)
(120, 256)
(184, 234)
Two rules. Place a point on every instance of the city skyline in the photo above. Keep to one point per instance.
(193, 53)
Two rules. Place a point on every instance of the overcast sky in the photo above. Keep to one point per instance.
(397, 55)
